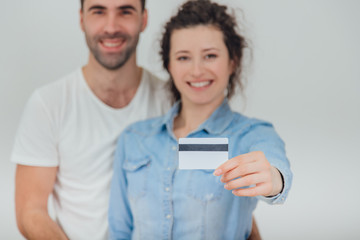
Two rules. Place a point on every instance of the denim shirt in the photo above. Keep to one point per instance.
(152, 199)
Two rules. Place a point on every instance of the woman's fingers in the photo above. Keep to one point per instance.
(243, 165)
(263, 183)
(248, 180)
(250, 170)
(241, 170)
(258, 190)
(233, 163)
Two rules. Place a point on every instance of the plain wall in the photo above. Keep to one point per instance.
(305, 79)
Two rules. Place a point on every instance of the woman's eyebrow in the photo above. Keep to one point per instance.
(180, 52)
(210, 49)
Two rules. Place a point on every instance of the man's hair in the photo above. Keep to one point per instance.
(206, 13)
(142, 4)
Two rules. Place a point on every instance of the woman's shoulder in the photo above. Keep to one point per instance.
(141, 138)
(242, 123)
(145, 127)
(250, 133)
(250, 129)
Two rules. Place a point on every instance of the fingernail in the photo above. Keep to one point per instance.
(217, 172)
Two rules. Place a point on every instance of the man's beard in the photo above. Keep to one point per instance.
(112, 61)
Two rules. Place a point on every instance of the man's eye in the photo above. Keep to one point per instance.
(98, 12)
(126, 12)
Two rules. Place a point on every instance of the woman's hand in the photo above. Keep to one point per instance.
(255, 171)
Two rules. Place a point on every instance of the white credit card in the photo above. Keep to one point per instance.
(202, 153)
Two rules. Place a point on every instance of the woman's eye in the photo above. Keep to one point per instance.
(182, 58)
(211, 56)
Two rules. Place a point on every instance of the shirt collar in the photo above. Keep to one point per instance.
(219, 120)
(168, 120)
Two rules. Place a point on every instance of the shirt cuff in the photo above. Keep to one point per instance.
(280, 197)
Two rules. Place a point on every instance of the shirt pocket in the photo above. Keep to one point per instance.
(204, 186)
(137, 172)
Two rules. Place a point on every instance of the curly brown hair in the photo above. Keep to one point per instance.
(142, 4)
(204, 12)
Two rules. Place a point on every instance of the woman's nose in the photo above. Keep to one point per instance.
(197, 68)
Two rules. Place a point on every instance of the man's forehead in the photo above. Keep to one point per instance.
(113, 3)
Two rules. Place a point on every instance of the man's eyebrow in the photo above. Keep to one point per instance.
(124, 7)
(98, 7)
(127, 7)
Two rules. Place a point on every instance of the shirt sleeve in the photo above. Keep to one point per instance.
(120, 217)
(262, 137)
(36, 141)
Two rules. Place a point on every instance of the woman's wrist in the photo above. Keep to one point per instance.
(278, 182)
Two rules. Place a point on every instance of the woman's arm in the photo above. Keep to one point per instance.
(120, 217)
(264, 170)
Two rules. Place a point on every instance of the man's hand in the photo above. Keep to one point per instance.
(250, 170)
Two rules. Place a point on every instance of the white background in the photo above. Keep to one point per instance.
(305, 78)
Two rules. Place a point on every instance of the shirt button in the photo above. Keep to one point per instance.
(168, 216)
(174, 148)
(167, 189)
(168, 169)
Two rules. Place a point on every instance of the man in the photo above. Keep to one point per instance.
(69, 128)
(66, 139)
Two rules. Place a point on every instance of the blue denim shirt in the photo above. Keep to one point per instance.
(152, 199)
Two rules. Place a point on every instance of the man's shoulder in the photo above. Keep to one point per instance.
(157, 89)
(65, 82)
(154, 82)
(54, 95)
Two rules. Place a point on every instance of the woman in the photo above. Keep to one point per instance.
(150, 197)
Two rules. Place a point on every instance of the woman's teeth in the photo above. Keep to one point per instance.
(200, 84)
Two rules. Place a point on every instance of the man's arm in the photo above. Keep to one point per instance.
(33, 187)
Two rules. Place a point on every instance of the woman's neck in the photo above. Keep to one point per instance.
(191, 116)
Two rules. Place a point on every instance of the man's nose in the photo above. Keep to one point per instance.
(111, 25)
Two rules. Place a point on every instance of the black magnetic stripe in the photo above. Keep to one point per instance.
(203, 147)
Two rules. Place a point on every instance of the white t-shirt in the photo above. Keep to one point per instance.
(64, 124)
